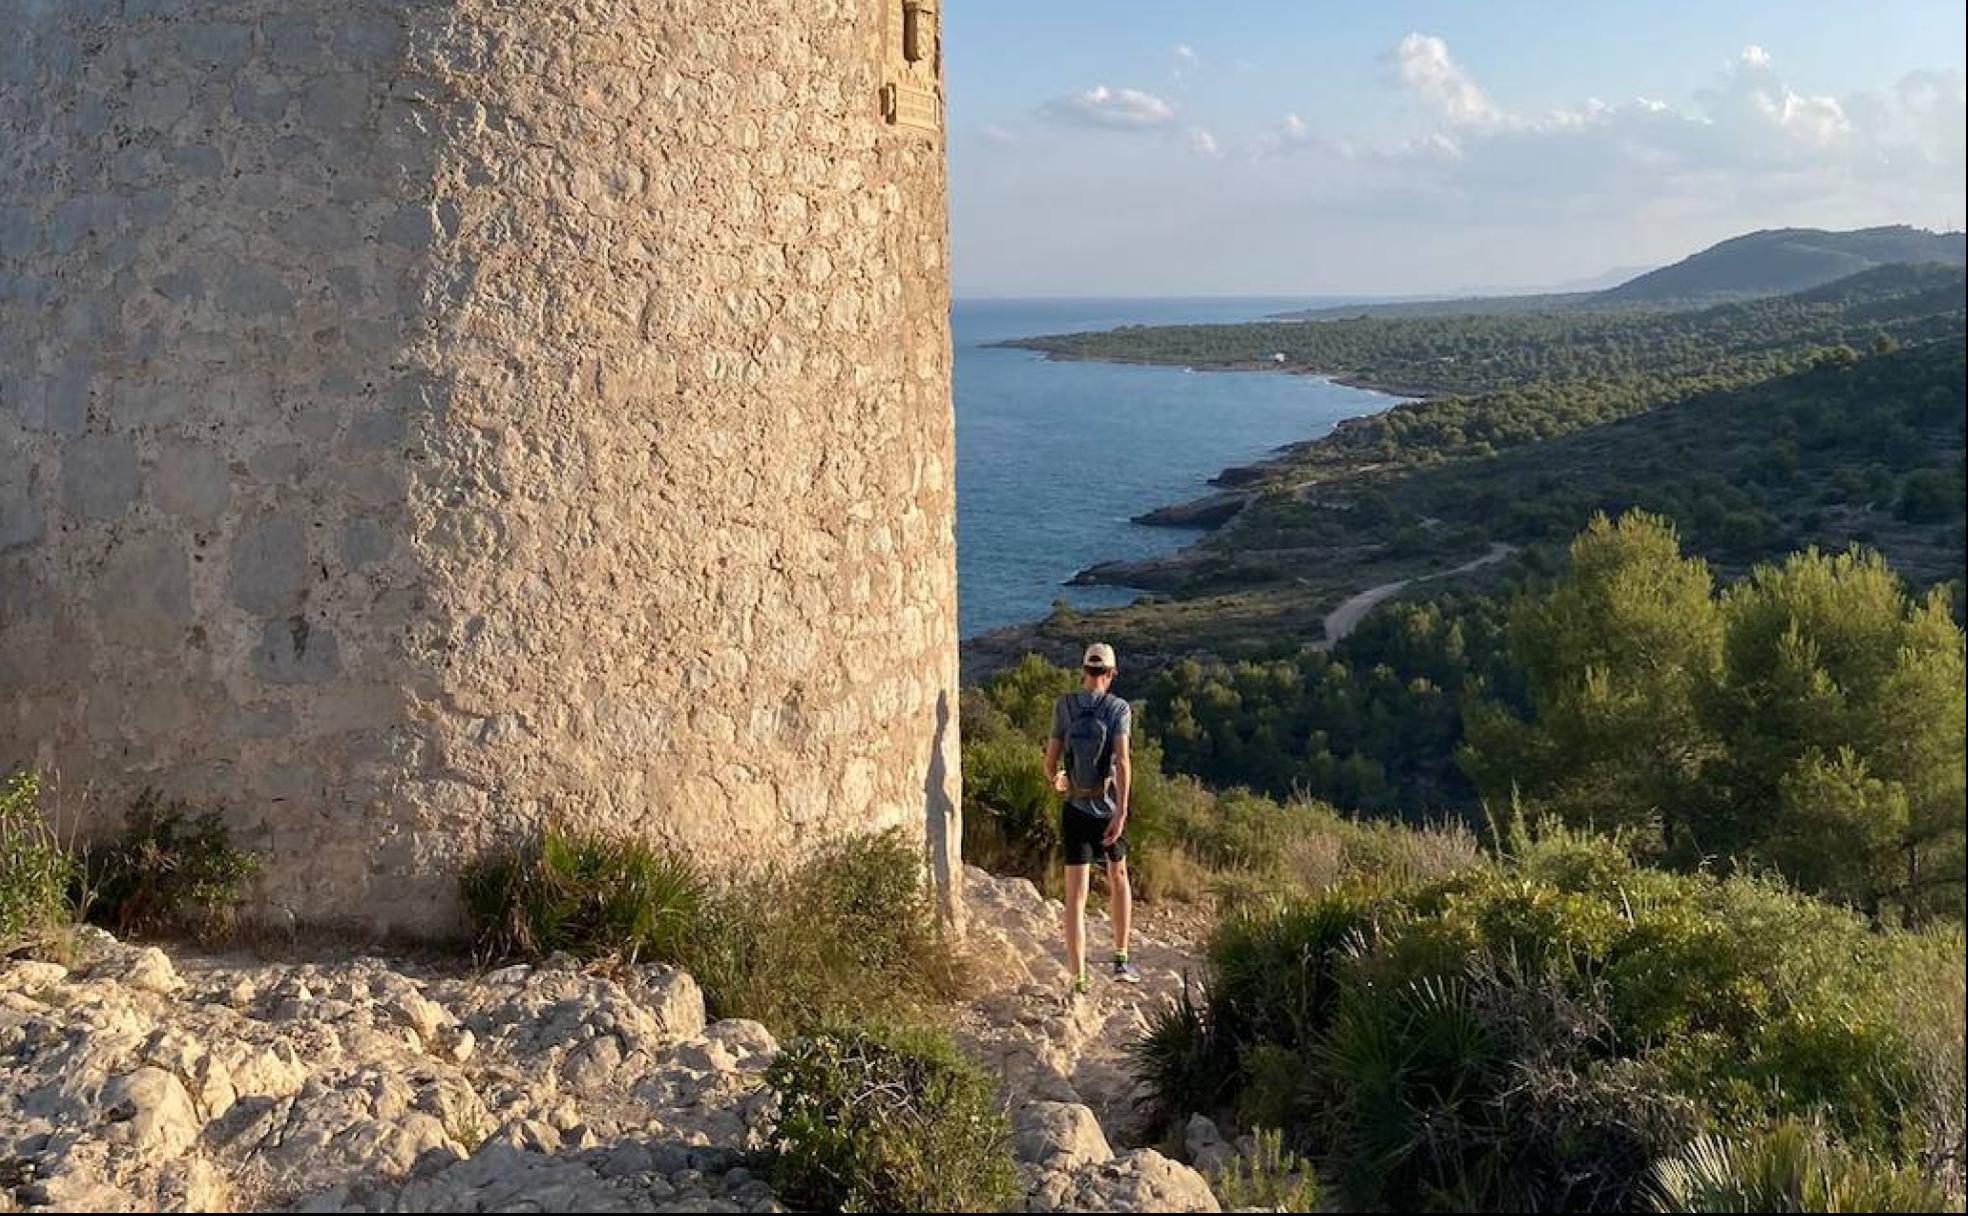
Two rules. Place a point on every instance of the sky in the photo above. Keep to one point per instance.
(1313, 147)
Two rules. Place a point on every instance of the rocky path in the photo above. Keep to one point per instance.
(133, 1079)
(1072, 1099)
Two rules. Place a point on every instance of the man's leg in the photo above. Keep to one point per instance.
(1076, 897)
(1120, 901)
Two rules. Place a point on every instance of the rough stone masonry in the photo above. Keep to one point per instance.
(419, 418)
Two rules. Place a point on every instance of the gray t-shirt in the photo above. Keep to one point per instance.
(1118, 716)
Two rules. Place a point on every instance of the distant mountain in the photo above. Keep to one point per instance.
(1779, 261)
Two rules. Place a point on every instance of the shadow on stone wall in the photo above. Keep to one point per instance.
(942, 822)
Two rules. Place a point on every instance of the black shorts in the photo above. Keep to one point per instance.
(1080, 834)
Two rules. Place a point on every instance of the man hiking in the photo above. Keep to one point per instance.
(1086, 759)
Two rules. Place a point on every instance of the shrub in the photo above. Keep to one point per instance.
(850, 933)
(1267, 1178)
(587, 894)
(171, 870)
(1182, 1063)
(888, 1121)
(1792, 1167)
(35, 871)
(1539, 1031)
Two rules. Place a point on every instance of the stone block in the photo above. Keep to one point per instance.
(63, 402)
(22, 519)
(270, 565)
(215, 44)
(339, 102)
(144, 593)
(262, 102)
(253, 293)
(190, 480)
(413, 226)
(99, 477)
(294, 650)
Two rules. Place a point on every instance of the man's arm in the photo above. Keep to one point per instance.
(1054, 773)
(1123, 778)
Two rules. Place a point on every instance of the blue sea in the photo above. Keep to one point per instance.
(1054, 459)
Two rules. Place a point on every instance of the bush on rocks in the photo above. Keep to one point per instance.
(586, 894)
(850, 932)
(884, 1120)
(170, 871)
(35, 871)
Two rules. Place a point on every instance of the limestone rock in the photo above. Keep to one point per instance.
(1140, 1181)
(30, 977)
(1205, 1145)
(149, 1113)
(146, 970)
(1059, 1136)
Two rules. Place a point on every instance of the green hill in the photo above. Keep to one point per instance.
(1778, 261)
(1783, 260)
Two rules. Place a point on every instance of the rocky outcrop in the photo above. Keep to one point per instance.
(136, 1079)
(130, 1083)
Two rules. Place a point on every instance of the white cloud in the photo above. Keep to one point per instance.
(992, 133)
(1113, 109)
(1423, 64)
(1748, 136)
(1187, 54)
(1457, 189)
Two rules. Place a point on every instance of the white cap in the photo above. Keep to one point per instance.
(1099, 655)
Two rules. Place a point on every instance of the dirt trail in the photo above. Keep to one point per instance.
(1345, 618)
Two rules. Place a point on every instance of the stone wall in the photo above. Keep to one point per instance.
(421, 418)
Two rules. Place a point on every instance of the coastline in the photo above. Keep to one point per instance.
(1344, 379)
(1237, 486)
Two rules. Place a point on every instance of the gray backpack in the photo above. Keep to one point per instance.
(1089, 744)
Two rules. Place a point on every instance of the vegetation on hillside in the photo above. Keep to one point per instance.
(1850, 449)
(1832, 417)
(1372, 725)
(1558, 370)
(1556, 1029)
(1809, 719)
(1787, 259)
(1185, 840)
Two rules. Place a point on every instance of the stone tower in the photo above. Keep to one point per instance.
(419, 418)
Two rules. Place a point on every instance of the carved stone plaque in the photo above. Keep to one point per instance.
(912, 95)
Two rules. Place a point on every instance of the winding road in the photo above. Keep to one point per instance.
(1343, 619)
